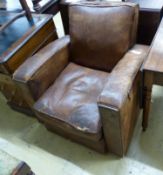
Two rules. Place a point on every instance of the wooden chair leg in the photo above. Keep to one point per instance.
(148, 82)
(147, 101)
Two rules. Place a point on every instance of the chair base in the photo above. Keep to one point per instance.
(22, 109)
(97, 146)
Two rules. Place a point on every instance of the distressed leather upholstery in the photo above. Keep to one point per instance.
(121, 79)
(71, 105)
(86, 86)
(120, 99)
(87, 46)
(64, 10)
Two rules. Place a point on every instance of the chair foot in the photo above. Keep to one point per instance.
(144, 129)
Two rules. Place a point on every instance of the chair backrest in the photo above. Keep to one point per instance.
(101, 33)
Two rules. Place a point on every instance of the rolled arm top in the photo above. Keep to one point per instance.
(121, 79)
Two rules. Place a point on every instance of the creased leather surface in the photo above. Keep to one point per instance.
(100, 35)
(73, 98)
(121, 78)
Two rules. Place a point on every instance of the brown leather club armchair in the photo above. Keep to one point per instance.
(86, 86)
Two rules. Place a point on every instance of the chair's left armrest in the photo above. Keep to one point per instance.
(38, 72)
(119, 102)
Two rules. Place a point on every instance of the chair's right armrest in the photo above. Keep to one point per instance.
(38, 72)
(119, 101)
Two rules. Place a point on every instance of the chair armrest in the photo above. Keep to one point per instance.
(39, 71)
(119, 101)
(120, 81)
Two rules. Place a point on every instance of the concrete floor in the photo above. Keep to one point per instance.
(49, 154)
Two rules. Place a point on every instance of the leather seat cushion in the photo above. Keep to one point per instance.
(72, 99)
